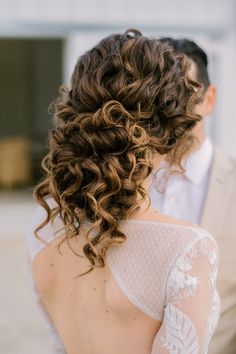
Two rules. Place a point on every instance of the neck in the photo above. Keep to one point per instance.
(199, 132)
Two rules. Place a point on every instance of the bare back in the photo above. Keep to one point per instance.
(91, 313)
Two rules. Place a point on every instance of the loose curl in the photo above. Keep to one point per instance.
(130, 98)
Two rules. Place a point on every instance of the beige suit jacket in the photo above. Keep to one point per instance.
(219, 218)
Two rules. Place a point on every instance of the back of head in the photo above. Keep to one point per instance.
(195, 53)
(130, 98)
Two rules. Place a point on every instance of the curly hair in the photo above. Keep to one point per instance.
(130, 98)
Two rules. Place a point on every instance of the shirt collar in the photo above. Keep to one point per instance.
(198, 163)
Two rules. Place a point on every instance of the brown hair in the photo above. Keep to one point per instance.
(130, 98)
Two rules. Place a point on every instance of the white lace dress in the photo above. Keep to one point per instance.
(168, 271)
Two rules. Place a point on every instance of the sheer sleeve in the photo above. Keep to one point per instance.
(192, 302)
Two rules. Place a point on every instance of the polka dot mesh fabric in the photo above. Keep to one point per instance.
(167, 270)
(141, 265)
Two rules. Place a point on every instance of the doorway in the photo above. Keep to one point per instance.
(31, 73)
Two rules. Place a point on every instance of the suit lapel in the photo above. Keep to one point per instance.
(218, 194)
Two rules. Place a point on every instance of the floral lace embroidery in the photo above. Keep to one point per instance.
(212, 319)
(213, 277)
(181, 283)
(181, 336)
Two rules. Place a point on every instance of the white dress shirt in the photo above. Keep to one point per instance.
(184, 195)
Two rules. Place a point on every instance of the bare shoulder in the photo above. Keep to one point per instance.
(181, 222)
(173, 221)
(154, 215)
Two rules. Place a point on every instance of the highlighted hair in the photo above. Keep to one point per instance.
(130, 98)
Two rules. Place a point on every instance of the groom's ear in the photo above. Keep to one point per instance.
(209, 101)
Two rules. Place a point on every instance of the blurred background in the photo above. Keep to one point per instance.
(40, 41)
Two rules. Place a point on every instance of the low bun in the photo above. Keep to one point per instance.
(130, 98)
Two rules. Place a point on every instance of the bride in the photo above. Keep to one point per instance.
(112, 274)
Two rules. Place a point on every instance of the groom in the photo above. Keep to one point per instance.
(206, 194)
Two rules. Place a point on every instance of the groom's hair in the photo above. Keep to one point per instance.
(195, 53)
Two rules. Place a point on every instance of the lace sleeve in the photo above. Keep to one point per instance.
(192, 302)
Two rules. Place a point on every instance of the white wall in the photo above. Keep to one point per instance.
(191, 13)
